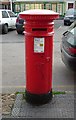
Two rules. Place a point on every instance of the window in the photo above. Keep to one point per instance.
(73, 31)
(70, 5)
(11, 14)
(32, 6)
(4, 14)
(17, 8)
(54, 7)
(48, 6)
(22, 7)
(36, 6)
(72, 40)
(59, 8)
(27, 6)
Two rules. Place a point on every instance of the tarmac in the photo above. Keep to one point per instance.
(61, 106)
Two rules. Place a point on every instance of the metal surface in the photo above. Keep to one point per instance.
(39, 33)
(61, 106)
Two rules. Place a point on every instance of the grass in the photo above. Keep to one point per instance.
(53, 92)
(58, 92)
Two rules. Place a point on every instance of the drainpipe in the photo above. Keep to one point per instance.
(11, 4)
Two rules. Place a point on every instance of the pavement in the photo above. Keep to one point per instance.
(61, 106)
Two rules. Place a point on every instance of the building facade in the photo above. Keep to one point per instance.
(55, 5)
(4, 4)
(17, 6)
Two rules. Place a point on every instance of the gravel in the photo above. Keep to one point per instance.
(7, 101)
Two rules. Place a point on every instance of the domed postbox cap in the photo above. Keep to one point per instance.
(39, 14)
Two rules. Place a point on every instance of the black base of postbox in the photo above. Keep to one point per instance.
(38, 99)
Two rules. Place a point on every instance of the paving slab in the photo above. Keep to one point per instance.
(61, 106)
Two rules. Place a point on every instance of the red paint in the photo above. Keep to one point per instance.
(39, 23)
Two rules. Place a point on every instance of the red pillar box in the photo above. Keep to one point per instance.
(39, 31)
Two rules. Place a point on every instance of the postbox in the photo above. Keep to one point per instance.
(39, 31)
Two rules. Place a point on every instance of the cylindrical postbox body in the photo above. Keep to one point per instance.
(39, 30)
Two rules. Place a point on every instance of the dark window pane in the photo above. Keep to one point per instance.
(4, 14)
(11, 14)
